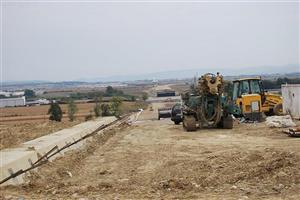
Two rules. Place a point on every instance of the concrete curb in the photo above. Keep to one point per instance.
(15, 159)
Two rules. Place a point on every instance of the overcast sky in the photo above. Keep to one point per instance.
(70, 41)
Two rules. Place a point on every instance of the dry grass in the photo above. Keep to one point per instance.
(20, 124)
(16, 114)
(13, 134)
(41, 110)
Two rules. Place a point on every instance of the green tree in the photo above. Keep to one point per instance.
(3, 96)
(97, 108)
(105, 110)
(132, 98)
(29, 93)
(72, 109)
(109, 90)
(145, 96)
(55, 112)
(115, 106)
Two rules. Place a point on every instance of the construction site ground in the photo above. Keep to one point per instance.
(153, 159)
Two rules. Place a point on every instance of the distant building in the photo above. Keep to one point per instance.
(165, 93)
(18, 93)
(38, 102)
(12, 102)
(291, 99)
(4, 93)
(12, 93)
(164, 99)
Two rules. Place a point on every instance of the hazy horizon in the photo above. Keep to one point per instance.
(73, 41)
(178, 74)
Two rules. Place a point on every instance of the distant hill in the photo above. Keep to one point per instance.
(292, 70)
(181, 74)
(24, 82)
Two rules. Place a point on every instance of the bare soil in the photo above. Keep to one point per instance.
(158, 160)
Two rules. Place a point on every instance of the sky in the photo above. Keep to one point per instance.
(63, 41)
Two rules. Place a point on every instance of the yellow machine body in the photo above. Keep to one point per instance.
(251, 103)
(251, 106)
(272, 104)
(249, 90)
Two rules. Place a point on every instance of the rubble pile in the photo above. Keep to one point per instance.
(280, 121)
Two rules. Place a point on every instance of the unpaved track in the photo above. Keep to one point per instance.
(157, 160)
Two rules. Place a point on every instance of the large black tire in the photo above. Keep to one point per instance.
(189, 123)
(277, 110)
(176, 122)
(220, 124)
(228, 122)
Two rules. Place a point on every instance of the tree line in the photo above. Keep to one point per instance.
(276, 84)
(100, 109)
(109, 92)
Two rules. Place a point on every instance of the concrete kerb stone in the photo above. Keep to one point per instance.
(15, 159)
(12, 160)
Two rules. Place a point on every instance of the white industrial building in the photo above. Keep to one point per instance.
(12, 102)
(38, 102)
(164, 99)
(12, 93)
(291, 99)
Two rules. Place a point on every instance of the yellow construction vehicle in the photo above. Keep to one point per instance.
(250, 96)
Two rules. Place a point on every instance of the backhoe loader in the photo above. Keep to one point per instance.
(253, 100)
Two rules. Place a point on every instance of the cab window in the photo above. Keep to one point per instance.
(235, 90)
(255, 89)
(245, 89)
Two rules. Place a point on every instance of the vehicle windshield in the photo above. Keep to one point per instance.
(235, 90)
(245, 89)
(255, 89)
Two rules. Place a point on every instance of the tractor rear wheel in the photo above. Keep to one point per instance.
(228, 122)
(189, 123)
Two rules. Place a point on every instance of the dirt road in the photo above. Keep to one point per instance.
(157, 160)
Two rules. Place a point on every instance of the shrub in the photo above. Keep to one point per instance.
(55, 112)
(145, 96)
(72, 109)
(115, 106)
(105, 110)
(97, 108)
